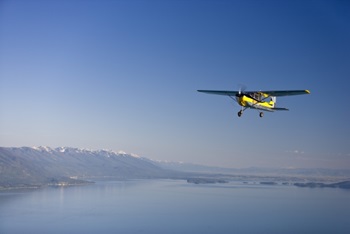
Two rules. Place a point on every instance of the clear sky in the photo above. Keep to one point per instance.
(123, 75)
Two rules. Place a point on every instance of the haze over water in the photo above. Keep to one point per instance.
(168, 206)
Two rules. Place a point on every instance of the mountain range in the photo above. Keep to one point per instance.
(36, 166)
(42, 166)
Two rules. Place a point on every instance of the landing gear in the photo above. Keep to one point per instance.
(241, 112)
(261, 114)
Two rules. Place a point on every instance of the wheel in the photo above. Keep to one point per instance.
(261, 114)
(240, 113)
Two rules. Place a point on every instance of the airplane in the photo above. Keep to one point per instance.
(261, 100)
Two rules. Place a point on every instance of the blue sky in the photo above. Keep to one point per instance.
(123, 75)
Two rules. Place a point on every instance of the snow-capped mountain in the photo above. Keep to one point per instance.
(40, 165)
(107, 153)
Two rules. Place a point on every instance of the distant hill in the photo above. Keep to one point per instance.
(343, 185)
(37, 166)
(256, 171)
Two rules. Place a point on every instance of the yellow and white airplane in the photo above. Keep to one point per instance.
(261, 100)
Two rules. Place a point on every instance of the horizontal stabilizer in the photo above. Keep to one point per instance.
(280, 108)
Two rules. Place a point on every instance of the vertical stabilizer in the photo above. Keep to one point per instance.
(273, 101)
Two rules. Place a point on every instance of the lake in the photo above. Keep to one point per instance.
(175, 206)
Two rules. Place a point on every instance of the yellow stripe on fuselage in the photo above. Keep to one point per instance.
(250, 102)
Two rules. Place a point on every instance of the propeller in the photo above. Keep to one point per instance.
(241, 89)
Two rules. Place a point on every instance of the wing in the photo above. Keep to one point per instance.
(275, 93)
(220, 92)
(278, 93)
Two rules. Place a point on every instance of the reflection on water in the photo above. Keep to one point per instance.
(168, 206)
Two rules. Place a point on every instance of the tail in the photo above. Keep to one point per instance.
(273, 104)
(273, 101)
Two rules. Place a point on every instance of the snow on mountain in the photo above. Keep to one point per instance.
(104, 152)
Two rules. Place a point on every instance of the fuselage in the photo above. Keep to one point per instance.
(256, 103)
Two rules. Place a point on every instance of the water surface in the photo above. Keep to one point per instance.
(169, 206)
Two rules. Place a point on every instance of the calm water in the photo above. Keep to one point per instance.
(168, 206)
